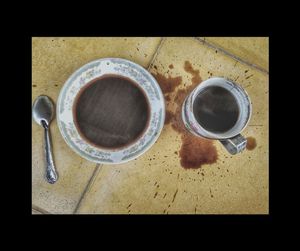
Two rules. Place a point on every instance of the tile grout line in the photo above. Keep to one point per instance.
(156, 52)
(89, 184)
(231, 55)
(40, 210)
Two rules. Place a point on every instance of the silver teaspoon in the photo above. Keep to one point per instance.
(43, 113)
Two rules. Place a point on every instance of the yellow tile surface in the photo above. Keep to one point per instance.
(35, 212)
(156, 183)
(53, 61)
(252, 50)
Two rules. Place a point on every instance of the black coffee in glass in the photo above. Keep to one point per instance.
(216, 109)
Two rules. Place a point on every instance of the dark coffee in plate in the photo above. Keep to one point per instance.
(111, 112)
(216, 109)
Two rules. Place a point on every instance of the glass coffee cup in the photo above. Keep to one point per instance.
(219, 109)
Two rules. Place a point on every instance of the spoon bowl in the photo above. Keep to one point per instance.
(43, 110)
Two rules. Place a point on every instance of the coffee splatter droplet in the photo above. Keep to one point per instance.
(174, 196)
(171, 66)
(249, 76)
(251, 143)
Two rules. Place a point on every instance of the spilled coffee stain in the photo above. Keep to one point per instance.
(167, 84)
(177, 123)
(181, 94)
(168, 117)
(195, 73)
(194, 151)
(171, 66)
(251, 143)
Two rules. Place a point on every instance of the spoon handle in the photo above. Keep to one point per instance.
(51, 174)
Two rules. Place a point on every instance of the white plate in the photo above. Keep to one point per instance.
(97, 69)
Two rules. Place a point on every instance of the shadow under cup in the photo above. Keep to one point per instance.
(218, 109)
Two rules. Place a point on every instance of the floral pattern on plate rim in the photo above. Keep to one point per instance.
(97, 69)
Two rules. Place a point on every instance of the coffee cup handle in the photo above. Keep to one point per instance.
(235, 144)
